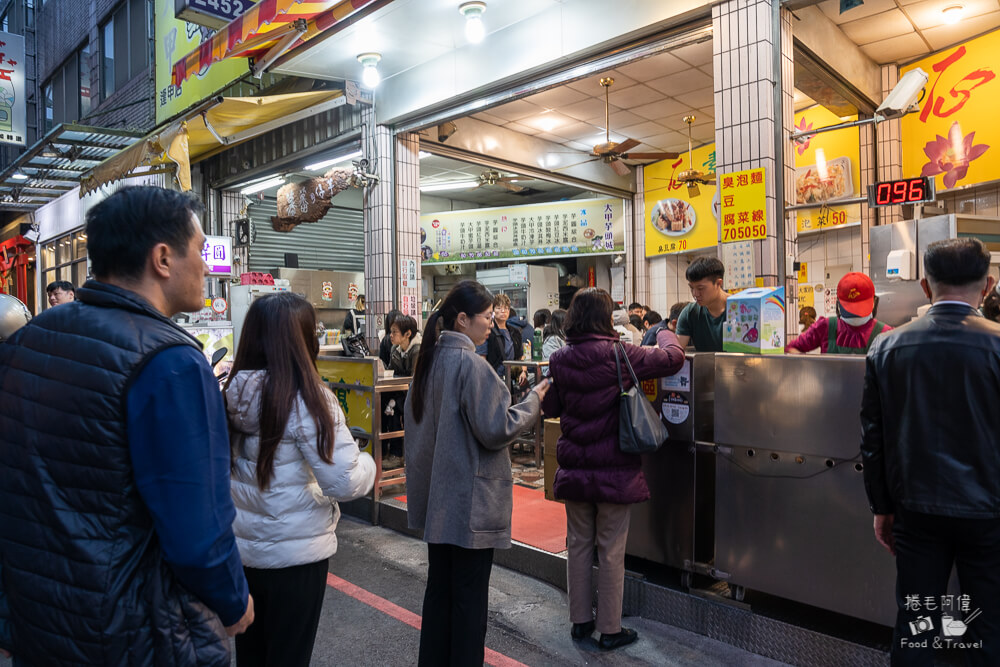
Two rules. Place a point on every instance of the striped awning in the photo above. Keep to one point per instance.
(266, 26)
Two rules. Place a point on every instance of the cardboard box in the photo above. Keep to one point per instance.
(551, 437)
(755, 321)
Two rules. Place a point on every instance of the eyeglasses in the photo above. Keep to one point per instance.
(501, 309)
(488, 316)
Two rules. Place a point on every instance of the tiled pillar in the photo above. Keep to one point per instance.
(745, 118)
(408, 221)
(378, 216)
(868, 177)
(637, 277)
(890, 148)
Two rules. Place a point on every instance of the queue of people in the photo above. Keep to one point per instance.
(222, 524)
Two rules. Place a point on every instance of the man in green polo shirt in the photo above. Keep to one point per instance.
(701, 322)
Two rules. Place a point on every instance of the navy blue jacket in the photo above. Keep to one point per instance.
(83, 574)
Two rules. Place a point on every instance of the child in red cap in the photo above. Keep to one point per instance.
(853, 330)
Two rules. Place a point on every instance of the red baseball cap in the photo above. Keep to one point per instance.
(856, 294)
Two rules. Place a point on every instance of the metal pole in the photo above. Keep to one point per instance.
(779, 141)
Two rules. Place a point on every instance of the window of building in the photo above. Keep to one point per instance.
(67, 92)
(124, 45)
(5, 22)
(65, 258)
(48, 119)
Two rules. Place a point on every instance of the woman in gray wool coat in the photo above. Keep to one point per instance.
(459, 423)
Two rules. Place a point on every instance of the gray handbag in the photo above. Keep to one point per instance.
(640, 430)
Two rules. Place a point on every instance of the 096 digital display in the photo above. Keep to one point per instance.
(905, 191)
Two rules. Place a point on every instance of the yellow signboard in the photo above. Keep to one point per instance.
(675, 220)
(743, 197)
(954, 137)
(175, 38)
(348, 381)
(827, 167)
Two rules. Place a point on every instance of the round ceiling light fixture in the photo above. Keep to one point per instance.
(475, 31)
(953, 14)
(370, 77)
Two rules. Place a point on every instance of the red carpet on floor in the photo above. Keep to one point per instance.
(537, 522)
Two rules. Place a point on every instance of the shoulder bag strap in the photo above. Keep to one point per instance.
(618, 367)
(635, 380)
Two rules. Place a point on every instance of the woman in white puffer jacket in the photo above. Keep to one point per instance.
(293, 458)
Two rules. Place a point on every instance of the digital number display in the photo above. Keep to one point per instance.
(905, 191)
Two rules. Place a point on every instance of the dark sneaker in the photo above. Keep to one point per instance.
(582, 631)
(619, 639)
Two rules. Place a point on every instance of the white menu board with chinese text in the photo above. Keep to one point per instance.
(566, 228)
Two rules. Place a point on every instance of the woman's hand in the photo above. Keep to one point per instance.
(522, 379)
(542, 388)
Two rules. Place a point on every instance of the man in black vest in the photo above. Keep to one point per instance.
(116, 544)
(930, 427)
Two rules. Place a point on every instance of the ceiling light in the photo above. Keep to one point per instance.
(423, 154)
(548, 123)
(370, 77)
(331, 162)
(19, 176)
(262, 185)
(953, 13)
(475, 31)
(452, 185)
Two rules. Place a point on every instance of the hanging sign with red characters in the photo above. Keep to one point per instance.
(744, 205)
(13, 110)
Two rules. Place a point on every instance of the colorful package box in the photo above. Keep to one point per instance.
(755, 321)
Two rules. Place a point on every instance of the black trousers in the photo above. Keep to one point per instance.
(453, 630)
(926, 548)
(287, 603)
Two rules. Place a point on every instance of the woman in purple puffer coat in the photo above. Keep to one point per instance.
(597, 481)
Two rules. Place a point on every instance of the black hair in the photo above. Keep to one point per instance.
(652, 317)
(541, 318)
(405, 323)
(64, 285)
(590, 313)
(467, 297)
(705, 267)
(390, 317)
(124, 228)
(634, 305)
(957, 262)
(556, 325)
(676, 309)
(991, 306)
(635, 321)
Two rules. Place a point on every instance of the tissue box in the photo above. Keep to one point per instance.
(755, 321)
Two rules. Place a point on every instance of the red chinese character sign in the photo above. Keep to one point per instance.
(743, 196)
(954, 136)
(13, 110)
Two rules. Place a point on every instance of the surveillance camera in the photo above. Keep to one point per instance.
(903, 95)
(445, 130)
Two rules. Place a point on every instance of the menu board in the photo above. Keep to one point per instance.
(566, 228)
(954, 137)
(744, 205)
(676, 221)
(827, 169)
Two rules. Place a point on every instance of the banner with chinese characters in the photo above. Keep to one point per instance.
(954, 137)
(827, 168)
(13, 114)
(174, 38)
(676, 221)
(565, 228)
(743, 202)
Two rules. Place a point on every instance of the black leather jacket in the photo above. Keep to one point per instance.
(930, 419)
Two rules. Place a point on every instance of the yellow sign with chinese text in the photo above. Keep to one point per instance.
(175, 38)
(955, 136)
(743, 196)
(676, 221)
(827, 168)
(351, 382)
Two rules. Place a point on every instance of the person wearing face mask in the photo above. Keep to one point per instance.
(853, 330)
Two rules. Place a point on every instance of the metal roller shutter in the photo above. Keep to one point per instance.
(336, 242)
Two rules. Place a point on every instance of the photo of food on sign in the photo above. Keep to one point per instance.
(673, 217)
(812, 185)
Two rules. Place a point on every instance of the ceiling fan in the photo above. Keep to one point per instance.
(506, 182)
(612, 153)
(691, 176)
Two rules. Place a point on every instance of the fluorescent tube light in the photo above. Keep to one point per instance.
(453, 185)
(262, 185)
(329, 163)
